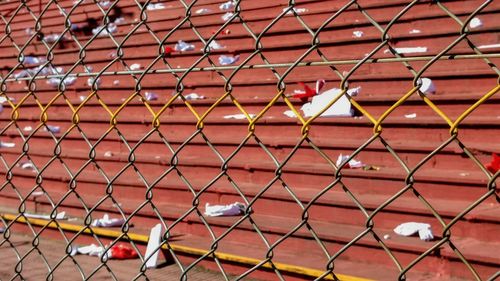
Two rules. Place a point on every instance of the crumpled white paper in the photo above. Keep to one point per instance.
(227, 16)
(341, 108)
(193, 96)
(7, 144)
(427, 86)
(411, 228)
(408, 50)
(33, 60)
(28, 165)
(135, 66)
(233, 209)
(215, 46)
(91, 250)
(155, 6)
(112, 28)
(358, 33)
(59, 216)
(150, 96)
(91, 80)
(52, 129)
(105, 221)
(475, 23)
(228, 60)
(353, 163)
(227, 6)
(202, 11)
(297, 11)
(68, 81)
(182, 46)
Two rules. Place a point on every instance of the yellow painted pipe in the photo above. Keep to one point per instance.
(182, 249)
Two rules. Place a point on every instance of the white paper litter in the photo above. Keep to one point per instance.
(411, 116)
(193, 96)
(427, 86)
(104, 4)
(112, 28)
(152, 249)
(387, 236)
(91, 250)
(202, 11)
(227, 6)
(215, 46)
(33, 60)
(415, 31)
(150, 96)
(408, 50)
(116, 82)
(290, 114)
(297, 11)
(182, 46)
(29, 31)
(2, 100)
(119, 20)
(411, 228)
(27, 129)
(108, 154)
(7, 144)
(227, 16)
(59, 216)
(68, 81)
(90, 81)
(490, 46)
(233, 209)
(353, 163)
(358, 33)
(475, 23)
(238, 116)
(27, 165)
(51, 38)
(135, 66)
(155, 6)
(228, 60)
(341, 108)
(105, 221)
(52, 129)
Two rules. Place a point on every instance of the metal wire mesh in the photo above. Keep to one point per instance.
(60, 33)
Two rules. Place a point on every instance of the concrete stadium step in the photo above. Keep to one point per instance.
(334, 236)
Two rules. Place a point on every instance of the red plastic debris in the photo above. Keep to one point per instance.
(223, 32)
(308, 92)
(494, 166)
(122, 252)
(168, 51)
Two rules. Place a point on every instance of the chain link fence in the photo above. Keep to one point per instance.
(123, 107)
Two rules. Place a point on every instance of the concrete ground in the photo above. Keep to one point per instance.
(34, 264)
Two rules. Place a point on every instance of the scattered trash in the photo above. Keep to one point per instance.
(234, 209)
(119, 20)
(152, 250)
(408, 50)
(290, 114)
(415, 31)
(135, 66)
(37, 193)
(112, 28)
(464, 174)
(150, 96)
(29, 31)
(52, 129)
(353, 163)
(193, 96)
(33, 60)
(59, 216)
(182, 46)
(7, 144)
(116, 82)
(28, 165)
(411, 228)
(227, 60)
(491, 46)
(227, 6)
(387, 236)
(494, 165)
(296, 10)
(52, 38)
(202, 11)
(215, 46)
(105, 221)
(155, 6)
(68, 81)
(358, 33)
(91, 80)
(108, 154)
(104, 4)
(227, 16)
(305, 94)
(475, 23)
(238, 116)
(427, 86)
(82, 98)
(2, 229)
(119, 251)
(341, 108)
(411, 115)
(27, 129)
